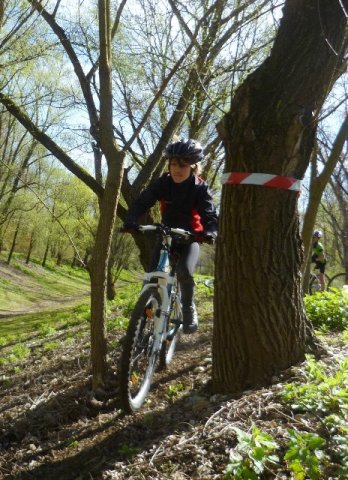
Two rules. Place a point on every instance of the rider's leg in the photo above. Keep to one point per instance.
(189, 255)
(322, 276)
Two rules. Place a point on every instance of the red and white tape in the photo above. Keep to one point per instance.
(264, 179)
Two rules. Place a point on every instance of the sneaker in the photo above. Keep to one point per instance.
(190, 319)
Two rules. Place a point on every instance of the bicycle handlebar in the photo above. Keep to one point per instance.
(172, 231)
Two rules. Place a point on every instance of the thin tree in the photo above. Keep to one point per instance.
(318, 183)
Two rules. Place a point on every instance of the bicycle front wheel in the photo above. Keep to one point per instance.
(338, 281)
(138, 360)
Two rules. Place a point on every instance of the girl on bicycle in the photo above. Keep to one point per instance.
(185, 202)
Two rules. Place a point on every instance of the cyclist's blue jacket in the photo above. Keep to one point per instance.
(186, 205)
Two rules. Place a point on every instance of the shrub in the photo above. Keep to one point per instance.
(328, 310)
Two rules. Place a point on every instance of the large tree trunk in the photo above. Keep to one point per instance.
(260, 324)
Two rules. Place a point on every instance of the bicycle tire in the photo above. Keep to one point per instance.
(138, 361)
(337, 281)
(173, 331)
(314, 284)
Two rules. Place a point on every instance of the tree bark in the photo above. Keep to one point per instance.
(30, 247)
(98, 267)
(14, 241)
(260, 323)
(44, 260)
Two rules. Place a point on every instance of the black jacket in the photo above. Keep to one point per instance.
(186, 205)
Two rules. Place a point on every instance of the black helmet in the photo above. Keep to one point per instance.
(189, 151)
(317, 233)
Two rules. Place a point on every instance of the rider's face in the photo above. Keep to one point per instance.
(179, 171)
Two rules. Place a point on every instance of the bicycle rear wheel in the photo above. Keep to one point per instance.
(174, 327)
(138, 360)
(338, 281)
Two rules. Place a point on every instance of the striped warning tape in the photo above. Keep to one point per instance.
(264, 179)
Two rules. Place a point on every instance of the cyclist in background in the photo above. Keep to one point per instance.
(185, 202)
(319, 257)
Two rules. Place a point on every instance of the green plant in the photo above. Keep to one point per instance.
(327, 396)
(345, 335)
(6, 339)
(118, 323)
(51, 346)
(74, 443)
(128, 451)
(337, 427)
(173, 391)
(305, 457)
(328, 310)
(320, 393)
(45, 329)
(251, 456)
(16, 353)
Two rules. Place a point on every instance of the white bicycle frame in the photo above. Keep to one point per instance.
(164, 280)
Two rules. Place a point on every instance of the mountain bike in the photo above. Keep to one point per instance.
(155, 324)
(338, 281)
(314, 283)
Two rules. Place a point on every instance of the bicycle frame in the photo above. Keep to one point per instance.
(165, 278)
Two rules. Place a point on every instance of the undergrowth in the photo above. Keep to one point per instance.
(302, 454)
(328, 311)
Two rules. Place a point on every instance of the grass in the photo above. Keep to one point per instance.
(41, 324)
(23, 286)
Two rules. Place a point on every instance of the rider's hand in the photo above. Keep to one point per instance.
(205, 237)
(130, 227)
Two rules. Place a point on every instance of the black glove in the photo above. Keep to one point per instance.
(205, 237)
(130, 227)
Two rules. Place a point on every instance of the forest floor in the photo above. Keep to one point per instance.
(53, 428)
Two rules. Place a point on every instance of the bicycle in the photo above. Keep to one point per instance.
(314, 283)
(155, 324)
(338, 281)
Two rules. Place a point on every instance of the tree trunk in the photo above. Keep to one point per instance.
(30, 248)
(59, 259)
(98, 269)
(110, 289)
(44, 260)
(260, 324)
(14, 240)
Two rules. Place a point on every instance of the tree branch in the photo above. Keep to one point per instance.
(47, 142)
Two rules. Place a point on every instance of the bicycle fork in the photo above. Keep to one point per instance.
(160, 317)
